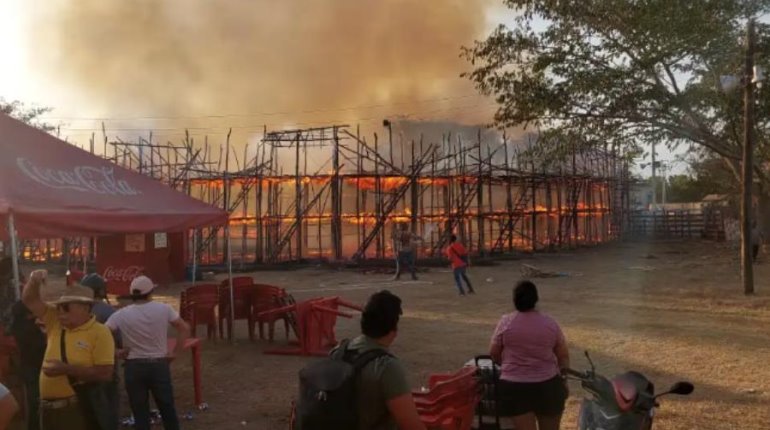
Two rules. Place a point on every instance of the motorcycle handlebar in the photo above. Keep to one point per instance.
(575, 373)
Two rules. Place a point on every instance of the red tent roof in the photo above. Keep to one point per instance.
(55, 189)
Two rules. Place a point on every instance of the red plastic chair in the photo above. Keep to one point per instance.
(440, 384)
(73, 276)
(266, 298)
(451, 400)
(198, 305)
(242, 292)
(456, 412)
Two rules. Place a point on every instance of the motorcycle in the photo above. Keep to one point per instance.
(625, 402)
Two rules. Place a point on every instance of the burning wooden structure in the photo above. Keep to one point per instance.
(328, 192)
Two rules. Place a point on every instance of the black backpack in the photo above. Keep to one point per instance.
(327, 390)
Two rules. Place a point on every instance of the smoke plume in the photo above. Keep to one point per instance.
(244, 63)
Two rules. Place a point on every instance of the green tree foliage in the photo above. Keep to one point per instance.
(625, 73)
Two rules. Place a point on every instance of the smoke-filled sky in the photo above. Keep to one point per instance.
(210, 65)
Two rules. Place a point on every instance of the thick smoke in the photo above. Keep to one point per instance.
(279, 63)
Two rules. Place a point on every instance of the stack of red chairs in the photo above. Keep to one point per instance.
(266, 298)
(242, 296)
(450, 401)
(198, 305)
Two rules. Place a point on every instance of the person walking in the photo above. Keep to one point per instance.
(405, 247)
(143, 326)
(79, 359)
(458, 258)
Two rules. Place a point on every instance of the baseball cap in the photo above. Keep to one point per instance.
(141, 285)
(95, 282)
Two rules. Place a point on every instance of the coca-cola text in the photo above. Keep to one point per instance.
(100, 180)
(122, 274)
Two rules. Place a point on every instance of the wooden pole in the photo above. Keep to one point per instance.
(298, 199)
(479, 197)
(336, 199)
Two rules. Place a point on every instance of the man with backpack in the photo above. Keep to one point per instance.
(360, 375)
(458, 257)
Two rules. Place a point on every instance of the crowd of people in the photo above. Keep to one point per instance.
(71, 346)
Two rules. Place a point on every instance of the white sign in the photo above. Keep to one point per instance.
(161, 240)
(99, 180)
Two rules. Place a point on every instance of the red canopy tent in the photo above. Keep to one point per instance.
(51, 189)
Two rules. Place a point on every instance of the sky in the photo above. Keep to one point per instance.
(179, 64)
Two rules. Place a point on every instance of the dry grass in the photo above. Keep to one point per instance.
(677, 315)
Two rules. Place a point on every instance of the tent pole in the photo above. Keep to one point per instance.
(194, 256)
(14, 255)
(230, 272)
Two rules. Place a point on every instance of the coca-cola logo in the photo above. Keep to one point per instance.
(100, 180)
(122, 274)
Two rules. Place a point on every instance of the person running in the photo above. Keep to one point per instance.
(458, 257)
(143, 326)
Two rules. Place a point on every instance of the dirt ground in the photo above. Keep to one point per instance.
(670, 310)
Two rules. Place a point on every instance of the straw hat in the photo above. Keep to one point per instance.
(73, 294)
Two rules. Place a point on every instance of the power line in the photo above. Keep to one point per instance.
(257, 127)
(248, 115)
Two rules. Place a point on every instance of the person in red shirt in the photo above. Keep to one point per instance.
(458, 256)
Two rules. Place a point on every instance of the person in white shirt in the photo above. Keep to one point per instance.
(143, 326)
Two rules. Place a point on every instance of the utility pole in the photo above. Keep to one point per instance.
(654, 183)
(663, 168)
(747, 270)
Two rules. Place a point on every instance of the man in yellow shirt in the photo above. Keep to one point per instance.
(80, 353)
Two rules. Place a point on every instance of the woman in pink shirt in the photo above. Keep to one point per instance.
(530, 348)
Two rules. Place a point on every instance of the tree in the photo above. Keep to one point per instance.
(625, 72)
(32, 115)
(629, 72)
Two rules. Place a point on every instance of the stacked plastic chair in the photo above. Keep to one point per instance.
(243, 287)
(450, 400)
(198, 305)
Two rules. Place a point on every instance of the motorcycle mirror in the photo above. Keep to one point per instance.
(682, 388)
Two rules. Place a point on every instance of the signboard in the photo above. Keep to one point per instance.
(135, 242)
(161, 240)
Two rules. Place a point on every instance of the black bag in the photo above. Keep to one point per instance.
(327, 390)
(93, 398)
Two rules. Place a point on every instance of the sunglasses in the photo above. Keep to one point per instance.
(65, 307)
